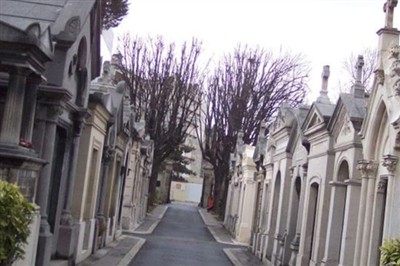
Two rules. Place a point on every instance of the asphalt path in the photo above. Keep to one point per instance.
(181, 239)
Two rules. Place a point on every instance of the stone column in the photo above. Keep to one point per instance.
(391, 222)
(295, 243)
(335, 223)
(68, 230)
(292, 217)
(108, 154)
(377, 222)
(362, 167)
(45, 236)
(370, 170)
(13, 108)
(28, 117)
(350, 222)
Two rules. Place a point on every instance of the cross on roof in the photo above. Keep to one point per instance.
(325, 76)
(388, 8)
(359, 67)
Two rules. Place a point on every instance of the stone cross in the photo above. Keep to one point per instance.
(388, 8)
(359, 67)
(323, 94)
(325, 76)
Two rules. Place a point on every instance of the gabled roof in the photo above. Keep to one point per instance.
(318, 116)
(354, 107)
(21, 14)
(51, 16)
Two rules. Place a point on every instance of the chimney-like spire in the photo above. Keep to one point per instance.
(358, 88)
(323, 94)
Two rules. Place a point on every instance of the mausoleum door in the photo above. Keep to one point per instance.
(53, 209)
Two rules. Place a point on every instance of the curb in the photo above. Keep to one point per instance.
(153, 226)
(132, 252)
(231, 257)
(212, 225)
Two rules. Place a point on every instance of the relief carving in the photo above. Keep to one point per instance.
(395, 68)
(380, 76)
(346, 129)
(394, 51)
(390, 162)
(368, 168)
(382, 184)
(396, 87)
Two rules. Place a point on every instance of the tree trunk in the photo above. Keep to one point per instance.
(152, 187)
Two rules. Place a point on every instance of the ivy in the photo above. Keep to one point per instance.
(390, 252)
(15, 216)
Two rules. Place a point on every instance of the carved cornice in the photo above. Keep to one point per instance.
(390, 162)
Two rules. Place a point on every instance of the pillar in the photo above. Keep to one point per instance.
(335, 223)
(45, 236)
(28, 117)
(292, 217)
(368, 169)
(362, 167)
(13, 108)
(68, 232)
(350, 222)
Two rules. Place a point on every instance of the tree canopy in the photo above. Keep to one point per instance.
(244, 91)
(165, 90)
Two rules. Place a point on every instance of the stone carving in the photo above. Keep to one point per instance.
(108, 154)
(367, 167)
(396, 87)
(394, 51)
(397, 141)
(395, 68)
(390, 162)
(388, 8)
(73, 25)
(382, 185)
(305, 169)
(359, 67)
(240, 143)
(346, 129)
(380, 76)
(54, 111)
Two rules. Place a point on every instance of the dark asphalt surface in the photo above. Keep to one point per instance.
(181, 239)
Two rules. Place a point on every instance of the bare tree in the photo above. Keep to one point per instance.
(349, 70)
(165, 90)
(246, 88)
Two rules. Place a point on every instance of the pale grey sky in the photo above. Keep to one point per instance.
(326, 31)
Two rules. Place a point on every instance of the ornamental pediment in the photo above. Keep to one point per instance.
(313, 121)
(284, 118)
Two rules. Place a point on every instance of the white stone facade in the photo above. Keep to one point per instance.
(330, 192)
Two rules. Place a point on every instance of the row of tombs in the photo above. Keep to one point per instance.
(322, 187)
(68, 135)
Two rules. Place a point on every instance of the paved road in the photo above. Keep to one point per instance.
(181, 239)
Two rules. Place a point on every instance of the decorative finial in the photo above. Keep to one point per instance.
(388, 8)
(323, 94)
(358, 88)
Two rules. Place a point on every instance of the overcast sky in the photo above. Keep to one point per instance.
(325, 31)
